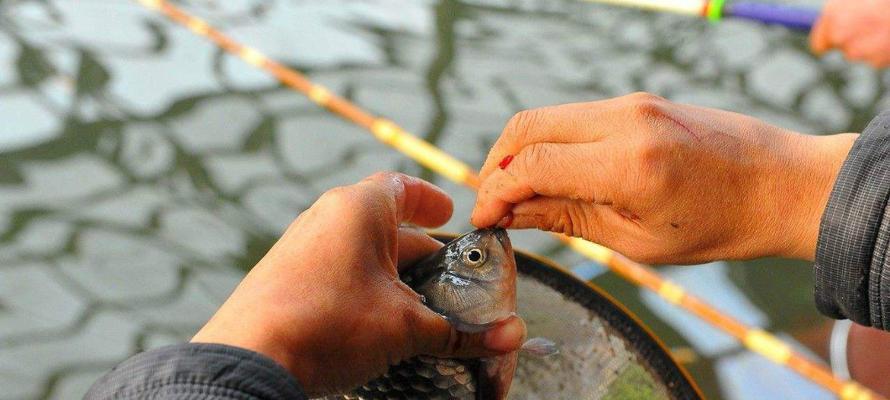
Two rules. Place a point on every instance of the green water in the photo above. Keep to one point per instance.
(632, 384)
(142, 171)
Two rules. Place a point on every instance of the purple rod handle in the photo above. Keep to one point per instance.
(798, 18)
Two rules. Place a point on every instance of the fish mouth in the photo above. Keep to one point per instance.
(501, 235)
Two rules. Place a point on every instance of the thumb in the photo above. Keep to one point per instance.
(820, 41)
(434, 335)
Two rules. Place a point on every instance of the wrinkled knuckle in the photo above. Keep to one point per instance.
(645, 97)
(534, 156)
(522, 123)
(647, 107)
(583, 224)
(562, 222)
(658, 175)
(347, 202)
(338, 197)
(383, 175)
(650, 154)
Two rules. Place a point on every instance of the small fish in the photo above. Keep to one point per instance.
(471, 282)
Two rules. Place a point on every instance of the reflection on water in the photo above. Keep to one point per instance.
(142, 170)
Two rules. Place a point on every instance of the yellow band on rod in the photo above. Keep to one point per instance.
(421, 151)
(319, 94)
(154, 4)
(671, 292)
(595, 252)
(198, 26)
(253, 56)
(853, 391)
(768, 346)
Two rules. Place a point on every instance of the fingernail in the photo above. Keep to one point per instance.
(505, 162)
(505, 337)
(473, 216)
(506, 221)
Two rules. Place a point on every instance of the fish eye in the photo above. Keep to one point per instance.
(474, 256)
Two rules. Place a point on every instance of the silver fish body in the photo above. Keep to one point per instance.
(425, 377)
(471, 282)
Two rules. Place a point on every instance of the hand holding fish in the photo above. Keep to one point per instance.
(661, 182)
(326, 301)
(860, 29)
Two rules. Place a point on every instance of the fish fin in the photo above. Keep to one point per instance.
(540, 347)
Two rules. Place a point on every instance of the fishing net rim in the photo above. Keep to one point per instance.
(654, 354)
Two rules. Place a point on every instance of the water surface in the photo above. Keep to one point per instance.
(142, 171)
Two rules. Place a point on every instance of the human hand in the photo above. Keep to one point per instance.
(326, 301)
(859, 28)
(661, 182)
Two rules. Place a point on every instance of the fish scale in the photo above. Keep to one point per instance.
(423, 378)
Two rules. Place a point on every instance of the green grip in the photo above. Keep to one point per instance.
(715, 10)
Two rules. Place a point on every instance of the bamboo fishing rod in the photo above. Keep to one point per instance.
(792, 17)
(426, 154)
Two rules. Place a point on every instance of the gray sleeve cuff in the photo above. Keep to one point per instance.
(197, 371)
(851, 279)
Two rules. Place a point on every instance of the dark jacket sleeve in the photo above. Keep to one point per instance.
(197, 371)
(852, 270)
